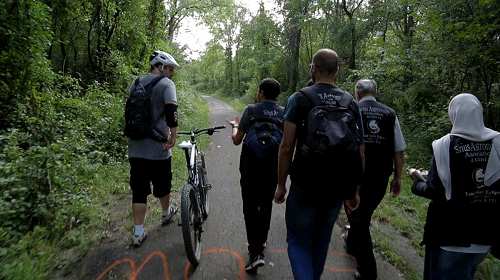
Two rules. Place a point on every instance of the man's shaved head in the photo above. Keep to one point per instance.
(326, 61)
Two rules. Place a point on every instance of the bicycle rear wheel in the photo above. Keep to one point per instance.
(191, 224)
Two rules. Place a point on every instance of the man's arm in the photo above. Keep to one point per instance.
(285, 155)
(399, 162)
(171, 119)
(399, 158)
(240, 127)
(237, 135)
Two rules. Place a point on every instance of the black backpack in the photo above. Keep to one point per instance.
(331, 139)
(264, 135)
(138, 112)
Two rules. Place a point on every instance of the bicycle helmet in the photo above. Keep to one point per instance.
(163, 58)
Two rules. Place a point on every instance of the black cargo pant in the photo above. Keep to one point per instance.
(359, 241)
(257, 192)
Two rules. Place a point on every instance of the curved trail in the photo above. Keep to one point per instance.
(162, 255)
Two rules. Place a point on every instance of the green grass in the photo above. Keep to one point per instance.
(406, 213)
(383, 246)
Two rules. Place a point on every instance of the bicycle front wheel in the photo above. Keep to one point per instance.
(191, 224)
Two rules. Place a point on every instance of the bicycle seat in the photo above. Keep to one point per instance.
(185, 145)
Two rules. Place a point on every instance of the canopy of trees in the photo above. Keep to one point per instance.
(420, 53)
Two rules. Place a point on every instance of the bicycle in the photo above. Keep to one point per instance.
(194, 195)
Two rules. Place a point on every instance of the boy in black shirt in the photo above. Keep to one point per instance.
(260, 130)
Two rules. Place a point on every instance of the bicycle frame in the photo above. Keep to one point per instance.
(190, 152)
(194, 200)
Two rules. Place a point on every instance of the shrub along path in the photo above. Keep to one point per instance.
(162, 255)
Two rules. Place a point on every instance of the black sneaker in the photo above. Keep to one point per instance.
(255, 262)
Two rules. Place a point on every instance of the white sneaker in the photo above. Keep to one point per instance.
(138, 239)
(167, 219)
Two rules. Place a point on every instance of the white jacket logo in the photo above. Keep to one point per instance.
(373, 125)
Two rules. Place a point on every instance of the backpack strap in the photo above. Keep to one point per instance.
(153, 82)
(137, 81)
(310, 95)
(346, 100)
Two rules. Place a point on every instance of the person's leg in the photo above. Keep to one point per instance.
(299, 220)
(250, 214)
(323, 226)
(359, 238)
(429, 261)
(161, 174)
(140, 185)
(165, 201)
(455, 265)
(265, 206)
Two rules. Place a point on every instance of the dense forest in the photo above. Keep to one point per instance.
(65, 66)
(420, 53)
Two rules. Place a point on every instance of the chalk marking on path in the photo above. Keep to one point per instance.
(134, 270)
(133, 266)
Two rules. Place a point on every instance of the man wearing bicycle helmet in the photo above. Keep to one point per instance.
(150, 156)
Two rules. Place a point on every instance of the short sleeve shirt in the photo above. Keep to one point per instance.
(163, 93)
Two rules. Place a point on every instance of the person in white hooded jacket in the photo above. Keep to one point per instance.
(463, 219)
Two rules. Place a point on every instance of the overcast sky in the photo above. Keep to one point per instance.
(195, 35)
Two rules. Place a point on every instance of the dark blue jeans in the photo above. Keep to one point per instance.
(309, 229)
(445, 265)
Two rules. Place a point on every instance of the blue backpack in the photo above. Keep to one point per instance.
(264, 134)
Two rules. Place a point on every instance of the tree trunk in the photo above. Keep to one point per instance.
(295, 14)
(228, 71)
(352, 63)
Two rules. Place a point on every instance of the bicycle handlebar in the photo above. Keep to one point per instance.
(196, 132)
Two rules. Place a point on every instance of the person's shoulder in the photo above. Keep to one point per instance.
(250, 106)
(249, 109)
(166, 82)
(297, 97)
(386, 107)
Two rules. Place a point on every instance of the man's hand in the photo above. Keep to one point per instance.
(416, 175)
(171, 140)
(396, 187)
(352, 204)
(169, 144)
(279, 195)
(235, 122)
